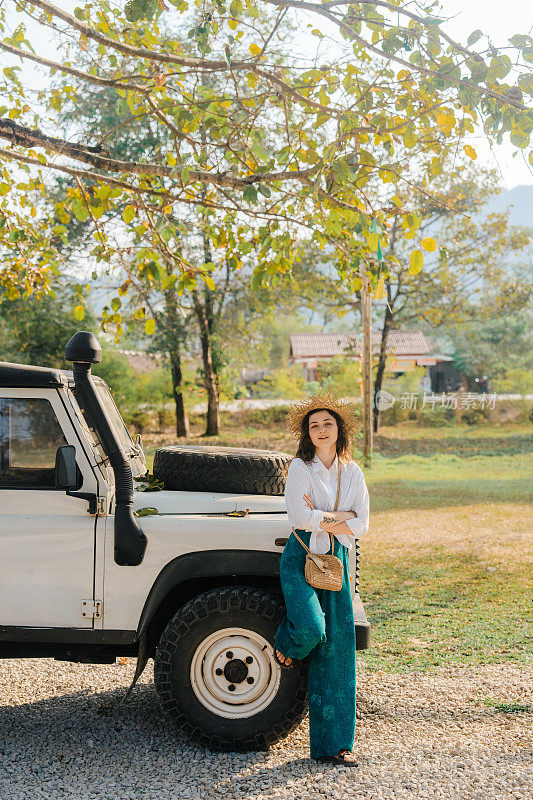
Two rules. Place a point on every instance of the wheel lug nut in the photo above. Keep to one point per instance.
(218, 671)
(249, 680)
(229, 654)
(231, 688)
(249, 659)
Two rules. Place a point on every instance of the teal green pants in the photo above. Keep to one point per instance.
(320, 623)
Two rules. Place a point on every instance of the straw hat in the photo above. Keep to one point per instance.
(345, 410)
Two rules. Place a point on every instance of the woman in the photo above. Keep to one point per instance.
(320, 622)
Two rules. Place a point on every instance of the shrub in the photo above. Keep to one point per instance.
(475, 416)
(339, 375)
(275, 415)
(140, 420)
(515, 381)
(287, 383)
(166, 417)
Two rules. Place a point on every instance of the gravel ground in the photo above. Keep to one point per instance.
(65, 734)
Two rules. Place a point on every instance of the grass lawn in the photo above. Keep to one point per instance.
(447, 565)
(452, 585)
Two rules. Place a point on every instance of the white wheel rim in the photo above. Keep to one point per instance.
(233, 673)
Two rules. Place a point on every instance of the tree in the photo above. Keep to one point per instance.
(493, 347)
(471, 276)
(35, 330)
(468, 278)
(271, 142)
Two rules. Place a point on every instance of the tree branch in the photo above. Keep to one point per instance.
(204, 64)
(322, 10)
(113, 83)
(26, 137)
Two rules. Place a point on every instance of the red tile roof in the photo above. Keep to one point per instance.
(326, 345)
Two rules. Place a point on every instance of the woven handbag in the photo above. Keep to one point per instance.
(324, 570)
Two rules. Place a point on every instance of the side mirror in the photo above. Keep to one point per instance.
(65, 473)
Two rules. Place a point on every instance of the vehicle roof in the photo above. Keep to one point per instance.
(23, 376)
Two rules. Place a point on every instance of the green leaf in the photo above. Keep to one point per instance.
(210, 282)
(121, 108)
(149, 326)
(499, 68)
(128, 214)
(250, 194)
(518, 40)
(151, 270)
(235, 8)
(79, 313)
(519, 139)
(526, 83)
(474, 37)
(168, 281)
(260, 151)
(410, 138)
(80, 210)
(416, 262)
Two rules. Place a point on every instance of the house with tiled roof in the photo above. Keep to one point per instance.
(405, 350)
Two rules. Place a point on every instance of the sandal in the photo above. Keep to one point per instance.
(282, 664)
(339, 759)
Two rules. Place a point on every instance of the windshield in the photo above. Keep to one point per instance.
(113, 415)
(131, 449)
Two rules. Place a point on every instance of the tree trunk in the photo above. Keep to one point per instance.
(182, 419)
(210, 376)
(174, 336)
(206, 320)
(366, 319)
(381, 363)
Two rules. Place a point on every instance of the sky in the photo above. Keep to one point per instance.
(499, 20)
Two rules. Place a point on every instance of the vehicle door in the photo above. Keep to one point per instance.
(47, 538)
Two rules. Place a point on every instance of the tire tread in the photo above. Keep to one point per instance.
(244, 598)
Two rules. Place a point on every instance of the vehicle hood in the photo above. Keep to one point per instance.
(169, 502)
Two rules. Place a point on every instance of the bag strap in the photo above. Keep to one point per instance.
(306, 547)
(302, 543)
(338, 484)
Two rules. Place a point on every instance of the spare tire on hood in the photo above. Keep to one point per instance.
(221, 469)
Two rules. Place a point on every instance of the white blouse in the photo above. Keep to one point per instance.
(321, 484)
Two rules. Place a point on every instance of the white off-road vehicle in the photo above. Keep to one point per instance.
(194, 585)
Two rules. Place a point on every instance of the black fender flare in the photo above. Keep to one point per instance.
(205, 564)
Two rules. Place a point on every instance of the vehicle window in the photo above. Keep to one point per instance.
(29, 437)
(113, 414)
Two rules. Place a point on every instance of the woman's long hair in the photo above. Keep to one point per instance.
(306, 448)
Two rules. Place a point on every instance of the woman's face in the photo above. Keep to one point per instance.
(323, 430)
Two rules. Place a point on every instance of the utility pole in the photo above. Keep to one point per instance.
(366, 365)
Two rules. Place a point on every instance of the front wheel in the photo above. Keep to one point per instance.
(215, 674)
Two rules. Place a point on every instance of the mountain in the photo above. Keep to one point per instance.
(520, 202)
